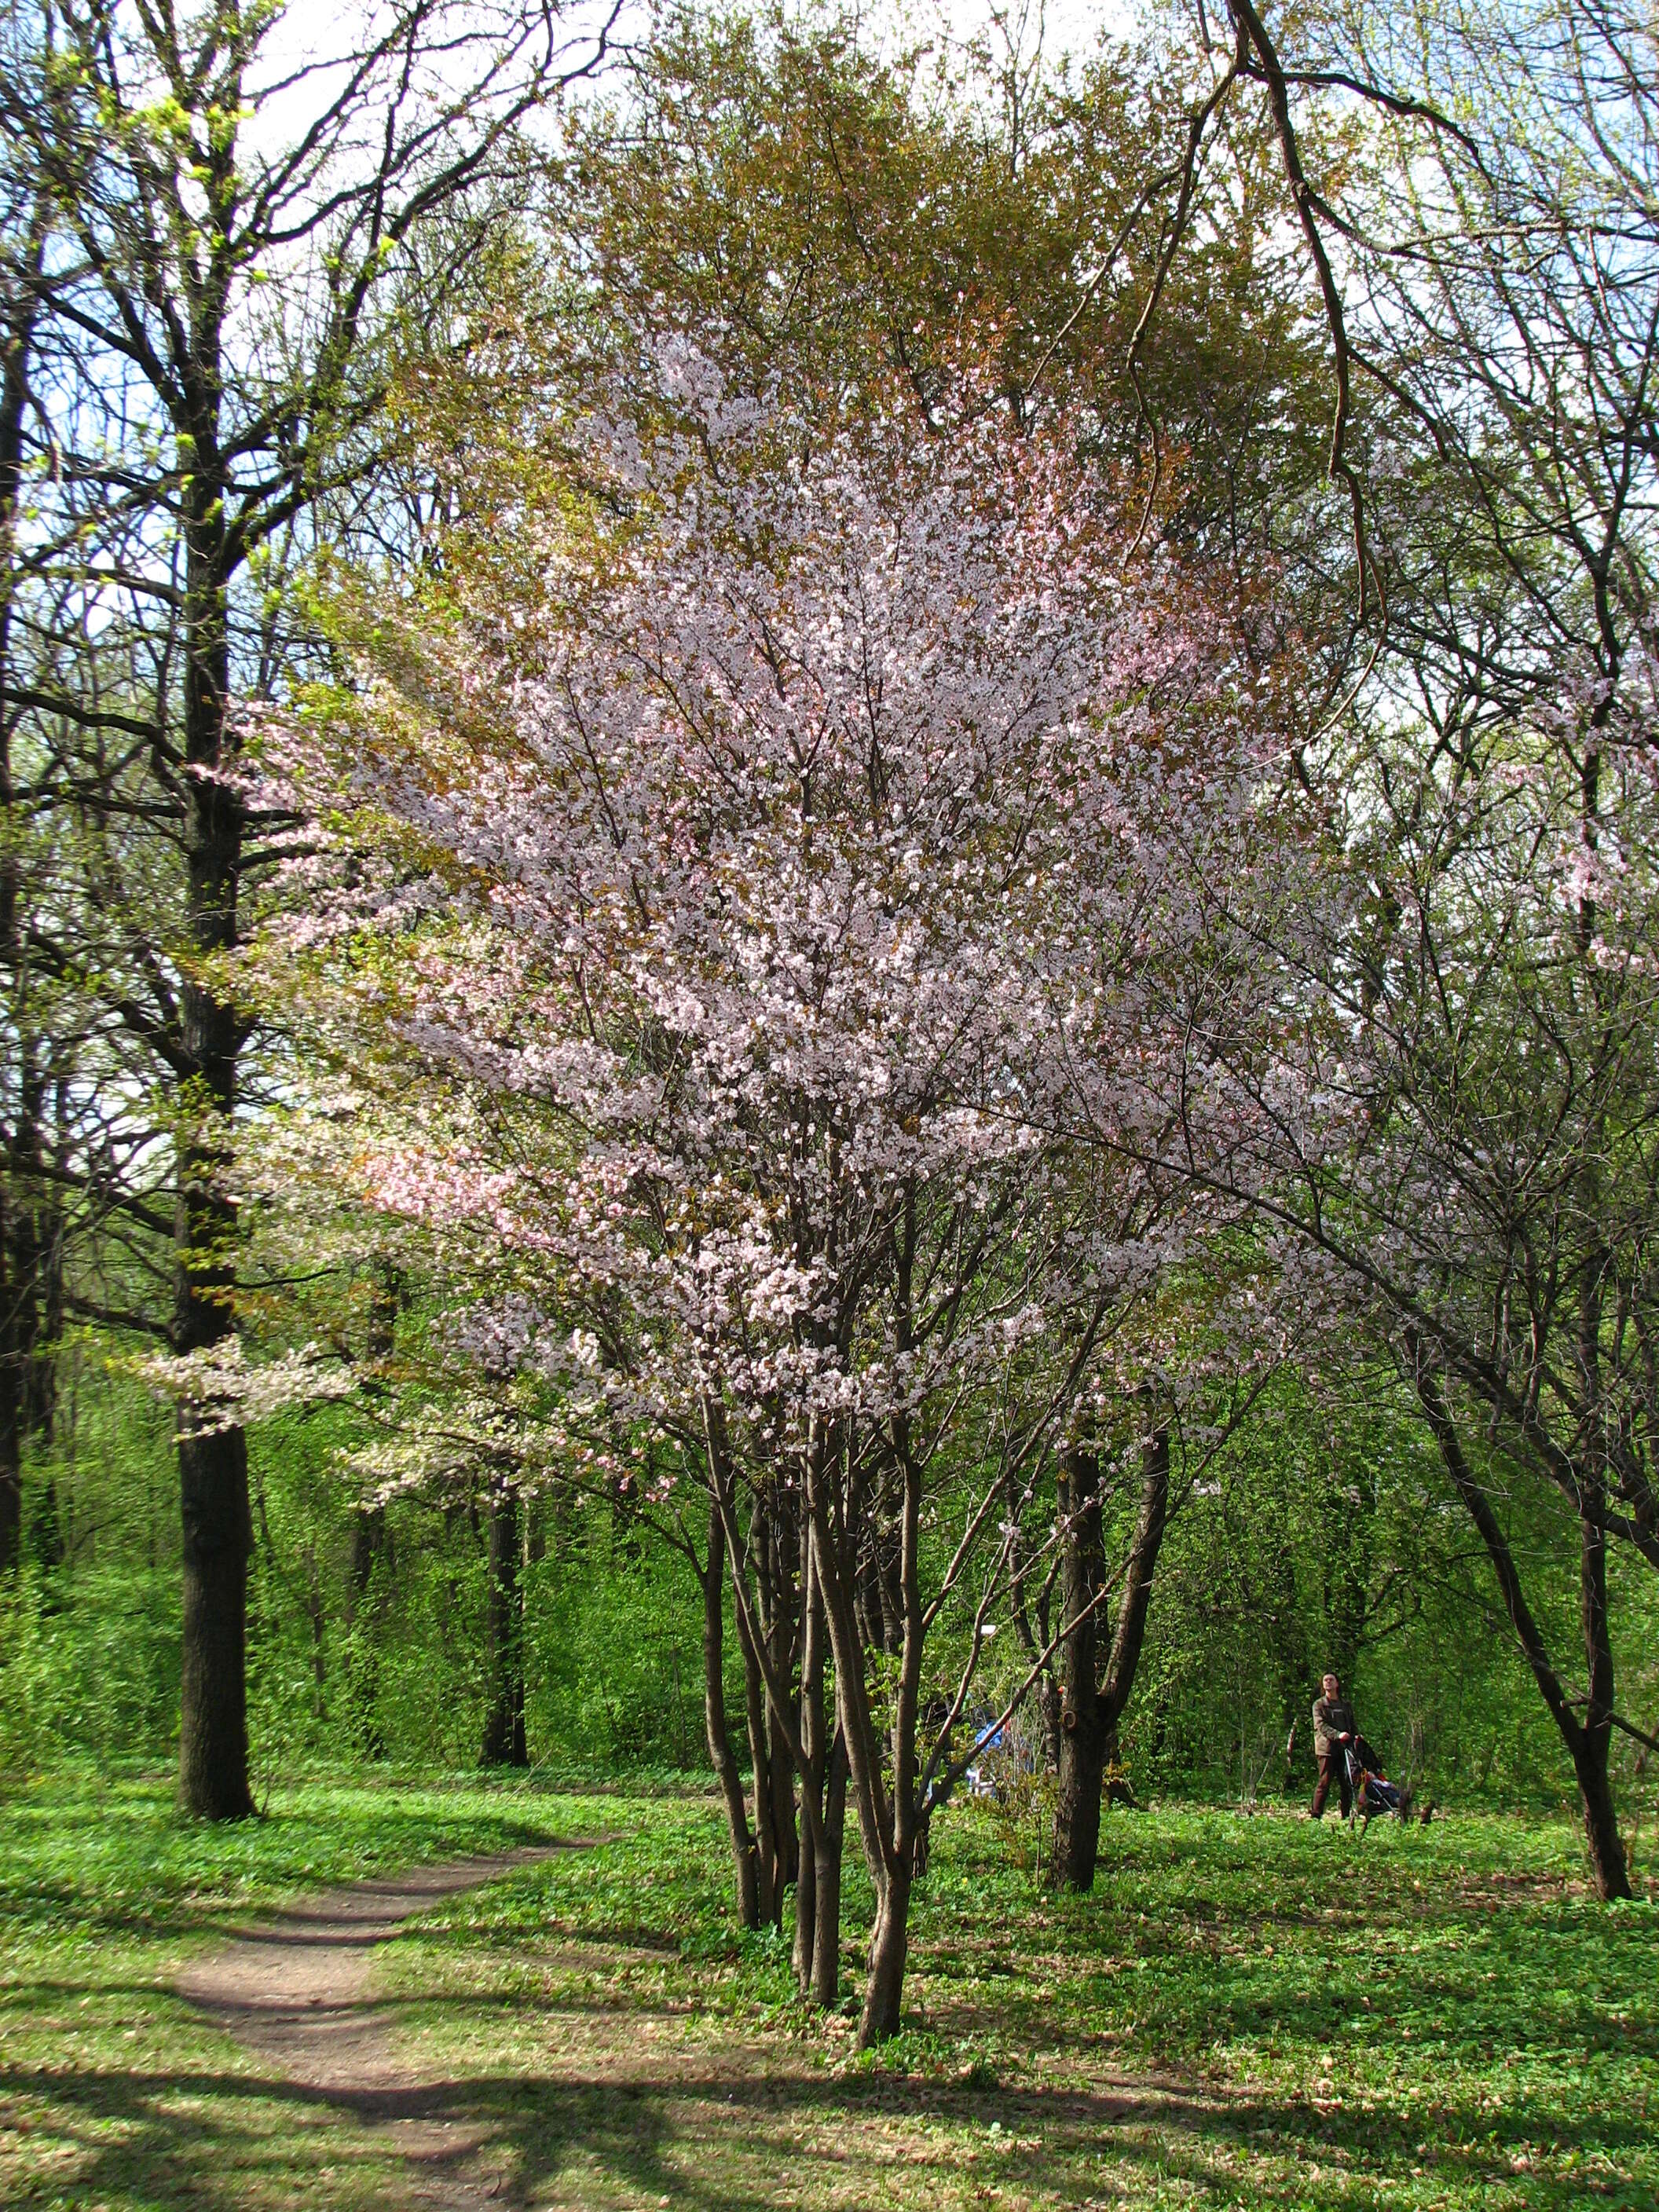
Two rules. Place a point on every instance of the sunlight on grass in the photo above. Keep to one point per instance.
(1246, 2012)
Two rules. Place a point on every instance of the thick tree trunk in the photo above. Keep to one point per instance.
(212, 1469)
(218, 1538)
(712, 1577)
(1091, 1712)
(890, 1944)
(503, 1728)
(1081, 1741)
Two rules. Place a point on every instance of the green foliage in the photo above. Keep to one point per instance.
(1332, 1541)
(393, 1669)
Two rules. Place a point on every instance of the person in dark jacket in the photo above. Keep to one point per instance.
(1335, 1730)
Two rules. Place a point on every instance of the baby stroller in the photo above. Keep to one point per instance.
(1371, 1795)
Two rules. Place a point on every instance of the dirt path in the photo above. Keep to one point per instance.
(295, 1988)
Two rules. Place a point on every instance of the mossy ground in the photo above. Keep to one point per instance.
(1246, 2012)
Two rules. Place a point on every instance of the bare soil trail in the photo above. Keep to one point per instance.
(295, 1988)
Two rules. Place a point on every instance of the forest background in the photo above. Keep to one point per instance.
(1333, 332)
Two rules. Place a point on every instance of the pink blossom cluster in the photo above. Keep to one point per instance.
(773, 906)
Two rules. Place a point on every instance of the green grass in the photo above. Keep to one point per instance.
(113, 2091)
(1245, 2013)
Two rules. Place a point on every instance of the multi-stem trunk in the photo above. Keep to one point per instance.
(798, 1717)
(824, 1805)
(888, 1818)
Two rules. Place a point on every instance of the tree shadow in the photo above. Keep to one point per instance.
(714, 2137)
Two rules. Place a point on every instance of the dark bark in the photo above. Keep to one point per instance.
(1587, 1743)
(782, 1593)
(1594, 1742)
(217, 1539)
(1046, 1698)
(212, 1468)
(768, 1888)
(1092, 1712)
(166, 231)
(828, 1844)
(503, 1729)
(812, 1742)
(768, 1632)
(713, 1578)
(1081, 1741)
(884, 1791)
(46, 1538)
(371, 1548)
(16, 1280)
(817, 1955)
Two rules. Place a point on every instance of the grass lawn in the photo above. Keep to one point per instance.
(1246, 2012)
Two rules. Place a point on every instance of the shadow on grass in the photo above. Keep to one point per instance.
(719, 2140)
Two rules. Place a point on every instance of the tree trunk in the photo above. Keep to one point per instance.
(713, 1577)
(890, 1944)
(503, 1729)
(812, 1742)
(1594, 1738)
(1138, 1575)
(837, 1581)
(781, 1597)
(768, 1885)
(21, 309)
(816, 1957)
(1091, 1714)
(218, 1538)
(826, 1882)
(1587, 1744)
(1081, 1741)
(212, 1468)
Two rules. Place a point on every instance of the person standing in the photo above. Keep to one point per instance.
(1334, 1731)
